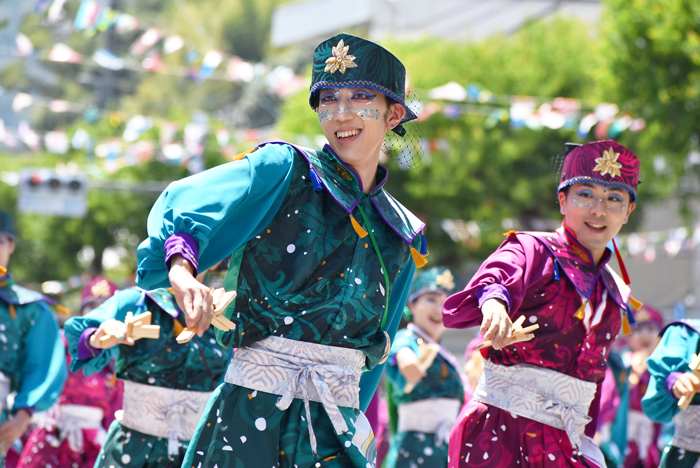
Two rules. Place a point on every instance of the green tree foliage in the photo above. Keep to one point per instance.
(653, 48)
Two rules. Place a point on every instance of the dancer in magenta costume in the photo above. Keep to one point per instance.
(559, 280)
(75, 429)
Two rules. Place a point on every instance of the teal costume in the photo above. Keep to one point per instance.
(300, 270)
(32, 359)
(679, 341)
(31, 350)
(194, 366)
(315, 259)
(442, 380)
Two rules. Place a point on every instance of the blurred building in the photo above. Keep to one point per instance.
(407, 19)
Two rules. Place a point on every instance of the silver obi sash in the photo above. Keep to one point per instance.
(296, 369)
(640, 429)
(687, 429)
(162, 412)
(543, 395)
(431, 416)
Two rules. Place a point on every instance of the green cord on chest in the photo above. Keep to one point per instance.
(381, 262)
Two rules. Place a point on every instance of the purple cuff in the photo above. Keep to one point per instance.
(85, 349)
(493, 291)
(185, 245)
(670, 382)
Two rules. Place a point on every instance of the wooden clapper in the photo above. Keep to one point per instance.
(428, 352)
(137, 327)
(517, 334)
(695, 369)
(221, 300)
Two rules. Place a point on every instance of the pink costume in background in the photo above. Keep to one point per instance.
(48, 446)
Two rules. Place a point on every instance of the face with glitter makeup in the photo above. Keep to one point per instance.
(355, 121)
(595, 214)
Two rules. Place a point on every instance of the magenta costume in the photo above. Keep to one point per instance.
(552, 280)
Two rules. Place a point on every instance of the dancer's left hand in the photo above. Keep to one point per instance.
(13, 429)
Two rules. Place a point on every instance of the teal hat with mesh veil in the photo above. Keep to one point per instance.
(7, 224)
(436, 279)
(346, 61)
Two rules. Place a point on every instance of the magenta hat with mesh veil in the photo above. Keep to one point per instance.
(605, 162)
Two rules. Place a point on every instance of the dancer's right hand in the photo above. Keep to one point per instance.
(111, 327)
(194, 299)
(687, 384)
(496, 325)
(407, 362)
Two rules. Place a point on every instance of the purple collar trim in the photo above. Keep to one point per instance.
(380, 170)
(582, 274)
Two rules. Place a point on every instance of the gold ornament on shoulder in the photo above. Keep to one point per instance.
(340, 60)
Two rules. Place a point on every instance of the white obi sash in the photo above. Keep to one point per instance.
(431, 416)
(162, 412)
(545, 396)
(687, 429)
(70, 421)
(640, 429)
(293, 369)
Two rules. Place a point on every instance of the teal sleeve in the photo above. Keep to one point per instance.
(221, 208)
(672, 354)
(44, 364)
(116, 307)
(397, 301)
(403, 340)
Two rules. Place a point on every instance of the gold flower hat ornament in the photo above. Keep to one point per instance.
(446, 280)
(340, 60)
(607, 164)
(436, 279)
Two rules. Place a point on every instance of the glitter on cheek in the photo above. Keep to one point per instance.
(325, 116)
(366, 114)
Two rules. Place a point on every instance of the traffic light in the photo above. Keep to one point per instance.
(45, 191)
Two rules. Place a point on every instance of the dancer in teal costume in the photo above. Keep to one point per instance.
(322, 264)
(427, 412)
(671, 378)
(157, 367)
(32, 359)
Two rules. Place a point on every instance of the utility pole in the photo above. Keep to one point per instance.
(106, 79)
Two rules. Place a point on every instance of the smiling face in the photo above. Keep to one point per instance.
(426, 311)
(595, 214)
(355, 121)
